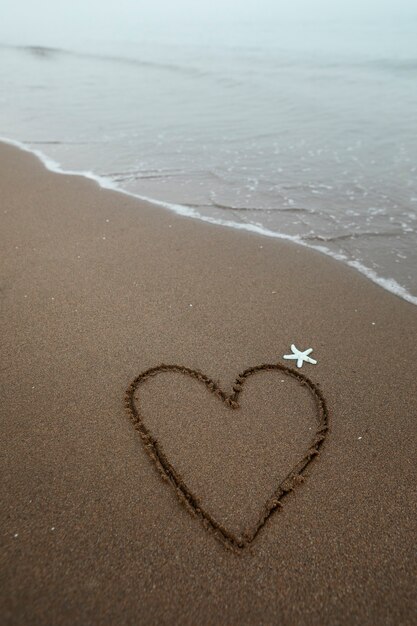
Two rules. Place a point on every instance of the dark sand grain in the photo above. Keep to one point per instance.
(96, 288)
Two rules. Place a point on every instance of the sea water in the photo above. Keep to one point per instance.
(303, 130)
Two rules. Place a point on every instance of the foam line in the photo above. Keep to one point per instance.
(389, 284)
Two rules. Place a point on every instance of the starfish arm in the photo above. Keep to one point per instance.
(299, 356)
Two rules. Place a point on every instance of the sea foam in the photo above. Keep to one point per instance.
(389, 284)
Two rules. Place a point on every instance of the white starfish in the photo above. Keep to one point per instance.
(300, 356)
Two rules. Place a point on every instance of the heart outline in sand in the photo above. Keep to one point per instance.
(168, 472)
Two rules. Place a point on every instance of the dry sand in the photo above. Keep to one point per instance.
(96, 288)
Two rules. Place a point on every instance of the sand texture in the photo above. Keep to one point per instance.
(96, 288)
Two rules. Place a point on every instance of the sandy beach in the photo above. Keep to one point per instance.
(96, 288)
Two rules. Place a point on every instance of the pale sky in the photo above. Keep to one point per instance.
(56, 22)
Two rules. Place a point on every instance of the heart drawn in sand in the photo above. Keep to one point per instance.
(293, 477)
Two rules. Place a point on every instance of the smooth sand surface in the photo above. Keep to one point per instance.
(96, 288)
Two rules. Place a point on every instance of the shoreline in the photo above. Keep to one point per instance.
(389, 284)
(97, 288)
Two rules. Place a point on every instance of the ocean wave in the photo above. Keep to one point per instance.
(232, 208)
(359, 235)
(190, 70)
(382, 64)
(389, 284)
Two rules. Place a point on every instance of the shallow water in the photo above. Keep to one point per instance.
(313, 137)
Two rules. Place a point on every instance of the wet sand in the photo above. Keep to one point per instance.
(96, 288)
